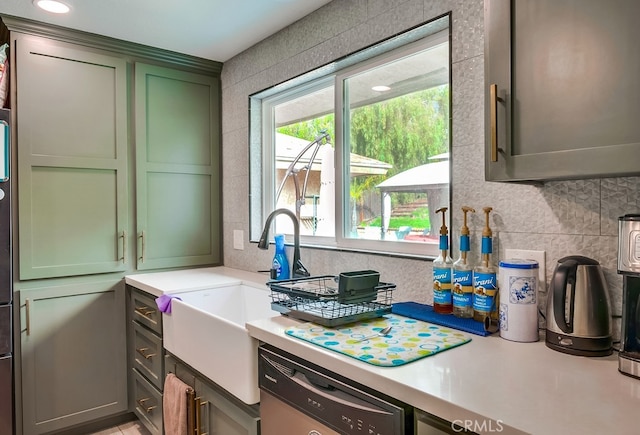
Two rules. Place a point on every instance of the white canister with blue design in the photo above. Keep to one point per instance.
(518, 281)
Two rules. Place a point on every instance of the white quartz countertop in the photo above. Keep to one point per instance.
(180, 281)
(491, 384)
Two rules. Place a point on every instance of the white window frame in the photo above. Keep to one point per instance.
(263, 189)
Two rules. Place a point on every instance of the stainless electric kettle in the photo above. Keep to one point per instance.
(578, 309)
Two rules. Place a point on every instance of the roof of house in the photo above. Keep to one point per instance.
(288, 148)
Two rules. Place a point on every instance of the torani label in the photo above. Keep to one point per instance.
(442, 286)
(484, 291)
(462, 288)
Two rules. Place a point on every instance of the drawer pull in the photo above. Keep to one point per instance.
(147, 409)
(142, 350)
(198, 417)
(145, 311)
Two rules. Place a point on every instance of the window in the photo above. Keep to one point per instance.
(359, 149)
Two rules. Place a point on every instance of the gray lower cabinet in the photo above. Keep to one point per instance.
(73, 357)
(562, 94)
(220, 412)
(146, 356)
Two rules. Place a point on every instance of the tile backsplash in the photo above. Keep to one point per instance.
(576, 217)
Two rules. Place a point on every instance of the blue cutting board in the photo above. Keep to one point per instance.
(409, 339)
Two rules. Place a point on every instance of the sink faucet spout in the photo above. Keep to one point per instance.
(298, 269)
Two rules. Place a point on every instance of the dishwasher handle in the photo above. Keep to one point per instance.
(317, 381)
(336, 395)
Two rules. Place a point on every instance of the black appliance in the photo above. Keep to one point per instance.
(629, 268)
(6, 288)
(578, 308)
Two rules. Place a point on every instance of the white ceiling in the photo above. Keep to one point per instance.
(210, 29)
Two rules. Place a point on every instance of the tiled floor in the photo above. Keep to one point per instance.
(131, 428)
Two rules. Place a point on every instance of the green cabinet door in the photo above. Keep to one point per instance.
(72, 157)
(73, 354)
(177, 168)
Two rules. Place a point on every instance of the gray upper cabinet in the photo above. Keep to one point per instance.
(72, 159)
(562, 89)
(177, 168)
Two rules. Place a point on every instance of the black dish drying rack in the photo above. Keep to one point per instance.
(333, 300)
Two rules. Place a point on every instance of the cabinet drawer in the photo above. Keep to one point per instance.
(145, 310)
(147, 355)
(148, 403)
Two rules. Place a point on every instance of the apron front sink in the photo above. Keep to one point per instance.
(206, 329)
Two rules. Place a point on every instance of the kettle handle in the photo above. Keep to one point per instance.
(564, 271)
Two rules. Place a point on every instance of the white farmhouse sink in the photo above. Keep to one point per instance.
(206, 329)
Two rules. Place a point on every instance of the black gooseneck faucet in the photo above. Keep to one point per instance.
(297, 270)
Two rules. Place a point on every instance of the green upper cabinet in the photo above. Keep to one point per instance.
(177, 168)
(562, 89)
(72, 159)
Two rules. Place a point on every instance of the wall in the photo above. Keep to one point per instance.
(562, 218)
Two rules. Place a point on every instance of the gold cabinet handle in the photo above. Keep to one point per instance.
(123, 236)
(493, 115)
(493, 90)
(145, 311)
(198, 426)
(142, 350)
(141, 237)
(27, 306)
(147, 409)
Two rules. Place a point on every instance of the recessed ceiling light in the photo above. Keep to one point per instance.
(53, 6)
(381, 88)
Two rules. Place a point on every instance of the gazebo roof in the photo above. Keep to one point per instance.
(418, 179)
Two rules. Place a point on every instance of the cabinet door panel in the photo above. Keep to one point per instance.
(72, 128)
(87, 235)
(181, 225)
(63, 88)
(73, 354)
(221, 415)
(178, 120)
(177, 163)
(567, 97)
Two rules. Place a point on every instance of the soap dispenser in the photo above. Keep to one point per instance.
(442, 302)
(485, 285)
(463, 274)
(280, 264)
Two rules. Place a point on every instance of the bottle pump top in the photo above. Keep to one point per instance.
(444, 240)
(486, 231)
(443, 228)
(464, 231)
(487, 243)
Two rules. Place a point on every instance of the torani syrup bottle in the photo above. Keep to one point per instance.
(442, 301)
(485, 285)
(463, 274)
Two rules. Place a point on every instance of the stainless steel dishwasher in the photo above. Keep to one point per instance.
(299, 398)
